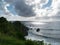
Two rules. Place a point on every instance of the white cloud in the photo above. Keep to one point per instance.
(41, 14)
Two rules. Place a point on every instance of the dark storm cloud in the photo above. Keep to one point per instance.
(9, 1)
(23, 9)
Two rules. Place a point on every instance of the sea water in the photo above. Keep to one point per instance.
(48, 28)
(47, 40)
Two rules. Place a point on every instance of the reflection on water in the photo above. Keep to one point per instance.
(49, 31)
(33, 36)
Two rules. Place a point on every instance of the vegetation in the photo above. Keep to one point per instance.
(12, 33)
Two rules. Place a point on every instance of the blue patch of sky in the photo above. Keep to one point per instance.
(11, 9)
(48, 4)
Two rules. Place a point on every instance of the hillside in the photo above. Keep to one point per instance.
(12, 33)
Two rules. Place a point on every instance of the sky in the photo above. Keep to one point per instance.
(30, 10)
(48, 4)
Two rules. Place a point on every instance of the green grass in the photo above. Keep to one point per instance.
(9, 40)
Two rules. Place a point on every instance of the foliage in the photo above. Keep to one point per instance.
(15, 29)
(12, 33)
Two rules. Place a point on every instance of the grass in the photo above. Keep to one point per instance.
(9, 40)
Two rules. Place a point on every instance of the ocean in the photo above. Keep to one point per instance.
(49, 32)
(47, 40)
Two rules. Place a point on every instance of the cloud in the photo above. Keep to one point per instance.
(23, 9)
(32, 8)
(9, 1)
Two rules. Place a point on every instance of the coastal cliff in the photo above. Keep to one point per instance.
(13, 33)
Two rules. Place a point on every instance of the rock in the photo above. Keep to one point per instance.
(38, 30)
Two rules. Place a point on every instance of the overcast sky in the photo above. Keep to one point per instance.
(30, 10)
